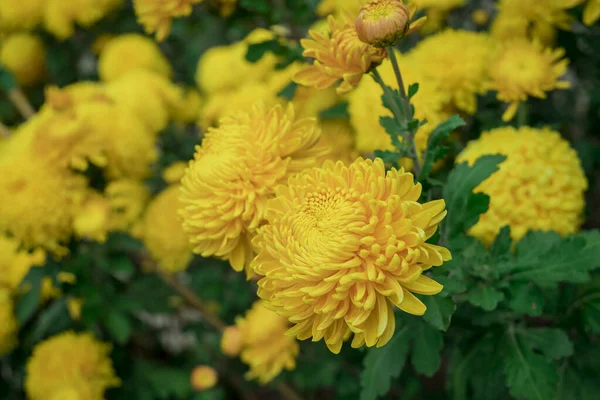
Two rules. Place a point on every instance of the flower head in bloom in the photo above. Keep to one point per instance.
(156, 15)
(70, 362)
(162, 232)
(365, 106)
(381, 23)
(521, 69)
(591, 13)
(129, 52)
(264, 345)
(458, 61)
(203, 378)
(339, 55)
(226, 187)
(342, 246)
(8, 322)
(15, 263)
(24, 55)
(540, 185)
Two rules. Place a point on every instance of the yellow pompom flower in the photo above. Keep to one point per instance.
(162, 232)
(366, 107)
(339, 55)
(129, 52)
(591, 13)
(203, 378)
(20, 14)
(264, 346)
(8, 323)
(156, 15)
(128, 199)
(521, 69)
(225, 188)
(458, 61)
(70, 362)
(60, 17)
(15, 263)
(540, 185)
(358, 248)
(24, 55)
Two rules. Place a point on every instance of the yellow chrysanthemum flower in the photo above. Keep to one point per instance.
(264, 345)
(156, 15)
(366, 107)
(591, 13)
(358, 248)
(458, 61)
(339, 55)
(20, 14)
(24, 55)
(540, 185)
(60, 17)
(128, 199)
(162, 232)
(521, 69)
(70, 362)
(203, 378)
(15, 263)
(150, 96)
(130, 52)
(8, 322)
(225, 188)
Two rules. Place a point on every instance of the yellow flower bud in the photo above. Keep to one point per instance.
(381, 23)
(231, 342)
(203, 378)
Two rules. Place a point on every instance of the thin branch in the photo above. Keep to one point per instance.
(287, 392)
(19, 100)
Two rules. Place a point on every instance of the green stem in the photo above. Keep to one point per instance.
(523, 114)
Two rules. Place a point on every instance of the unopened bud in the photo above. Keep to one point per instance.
(231, 342)
(381, 23)
(203, 378)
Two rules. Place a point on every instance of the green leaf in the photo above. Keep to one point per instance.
(412, 90)
(528, 375)
(28, 303)
(165, 381)
(393, 130)
(381, 365)
(339, 111)
(259, 6)
(464, 206)
(439, 311)
(7, 80)
(428, 343)
(256, 51)
(485, 297)
(503, 242)
(526, 298)
(118, 325)
(553, 343)
(435, 150)
(288, 91)
(53, 319)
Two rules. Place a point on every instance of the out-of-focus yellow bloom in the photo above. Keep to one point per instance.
(130, 52)
(61, 16)
(203, 378)
(24, 55)
(358, 248)
(310, 102)
(189, 109)
(540, 185)
(156, 15)
(591, 13)
(20, 14)
(92, 220)
(265, 347)
(381, 23)
(8, 322)
(231, 341)
(15, 263)
(366, 107)
(128, 199)
(74, 305)
(339, 55)
(522, 68)
(162, 233)
(340, 7)
(337, 135)
(226, 186)
(458, 61)
(70, 362)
